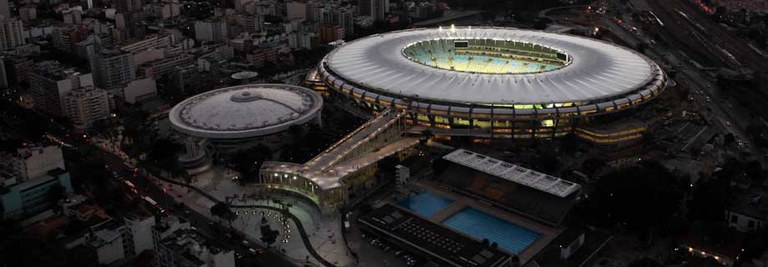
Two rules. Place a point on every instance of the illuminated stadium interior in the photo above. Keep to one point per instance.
(486, 56)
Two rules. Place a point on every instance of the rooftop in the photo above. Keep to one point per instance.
(433, 239)
(245, 111)
(598, 71)
(511, 172)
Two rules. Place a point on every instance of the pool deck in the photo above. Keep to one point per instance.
(547, 233)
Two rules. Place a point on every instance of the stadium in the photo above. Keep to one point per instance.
(236, 114)
(490, 82)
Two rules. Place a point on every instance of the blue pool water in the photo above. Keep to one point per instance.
(425, 203)
(478, 224)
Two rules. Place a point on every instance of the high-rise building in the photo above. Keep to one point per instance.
(72, 15)
(346, 19)
(112, 68)
(32, 161)
(364, 7)
(84, 106)
(250, 23)
(65, 38)
(5, 9)
(211, 30)
(330, 33)
(14, 70)
(128, 6)
(11, 33)
(374, 8)
(49, 81)
(27, 13)
(139, 234)
(296, 10)
(314, 10)
(380, 9)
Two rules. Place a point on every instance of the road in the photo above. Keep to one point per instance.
(720, 109)
(207, 227)
(684, 19)
(12, 115)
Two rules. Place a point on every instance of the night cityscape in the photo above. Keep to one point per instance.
(478, 133)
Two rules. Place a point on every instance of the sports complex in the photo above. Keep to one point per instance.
(490, 82)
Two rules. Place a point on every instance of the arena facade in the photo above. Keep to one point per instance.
(489, 82)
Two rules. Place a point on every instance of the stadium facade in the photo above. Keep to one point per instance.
(490, 82)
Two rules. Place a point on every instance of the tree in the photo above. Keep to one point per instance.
(222, 211)
(426, 135)
(268, 235)
(56, 193)
(642, 197)
(644, 262)
(709, 199)
(570, 143)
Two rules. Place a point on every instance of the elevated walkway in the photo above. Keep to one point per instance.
(382, 129)
(346, 166)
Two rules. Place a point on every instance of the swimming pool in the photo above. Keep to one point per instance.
(425, 203)
(478, 224)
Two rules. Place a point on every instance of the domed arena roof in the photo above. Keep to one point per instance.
(245, 111)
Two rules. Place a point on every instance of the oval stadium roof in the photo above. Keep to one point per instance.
(599, 70)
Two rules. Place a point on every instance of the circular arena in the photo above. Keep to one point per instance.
(246, 111)
(491, 82)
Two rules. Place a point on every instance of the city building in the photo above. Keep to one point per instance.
(262, 55)
(112, 240)
(27, 13)
(296, 10)
(5, 9)
(65, 38)
(32, 196)
(50, 81)
(190, 78)
(377, 9)
(72, 15)
(247, 24)
(113, 68)
(187, 247)
(364, 7)
(31, 161)
(139, 234)
(11, 33)
(748, 212)
(14, 70)
(330, 33)
(128, 6)
(104, 243)
(149, 42)
(140, 90)
(539, 86)
(212, 30)
(164, 66)
(86, 105)
(380, 9)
